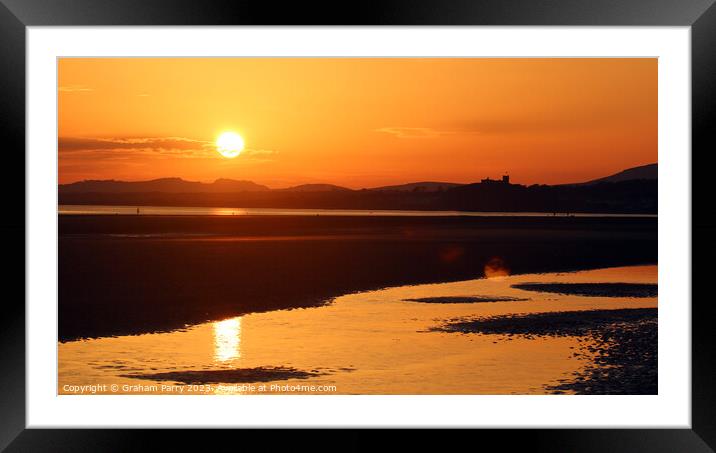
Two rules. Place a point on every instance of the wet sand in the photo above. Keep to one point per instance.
(622, 360)
(594, 289)
(377, 342)
(123, 275)
(619, 346)
(564, 323)
(235, 376)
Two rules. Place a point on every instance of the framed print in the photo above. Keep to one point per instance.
(411, 215)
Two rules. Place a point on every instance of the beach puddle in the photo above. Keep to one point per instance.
(403, 340)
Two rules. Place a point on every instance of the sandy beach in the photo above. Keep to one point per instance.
(480, 336)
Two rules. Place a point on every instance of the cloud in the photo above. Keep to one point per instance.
(82, 143)
(413, 132)
(74, 89)
(541, 122)
(128, 147)
(125, 148)
(538, 123)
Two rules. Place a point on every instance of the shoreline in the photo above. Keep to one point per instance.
(201, 211)
(547, 344)
(111, 285)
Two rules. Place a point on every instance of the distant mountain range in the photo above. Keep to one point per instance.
(178, 185)
(166, 185)
(633, 190)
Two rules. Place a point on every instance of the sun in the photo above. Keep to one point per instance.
(229, 144)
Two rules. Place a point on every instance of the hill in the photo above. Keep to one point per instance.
(648, 172)
(316, 188)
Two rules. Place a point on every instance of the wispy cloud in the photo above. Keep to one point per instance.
(125, 148)
(151, 144)
(413, 132)
(74, 89)
(536, 124)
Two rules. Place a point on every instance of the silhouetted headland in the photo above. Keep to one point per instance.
(632, 191)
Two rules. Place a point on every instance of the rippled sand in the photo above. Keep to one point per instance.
(378, 342)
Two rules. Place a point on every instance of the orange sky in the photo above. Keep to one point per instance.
(356, 122)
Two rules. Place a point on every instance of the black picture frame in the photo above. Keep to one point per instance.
(16, 15)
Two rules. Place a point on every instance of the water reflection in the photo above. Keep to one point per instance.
(227, 339)
(399, 352)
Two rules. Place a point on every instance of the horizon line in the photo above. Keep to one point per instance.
(208, 182)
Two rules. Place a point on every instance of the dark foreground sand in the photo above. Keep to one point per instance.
(465, 299)
(235, 376)
(620, 346)
(594, 289)
(623, 360)
(138, 274)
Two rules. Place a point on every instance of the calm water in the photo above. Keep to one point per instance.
(373, 342)
(180, 210)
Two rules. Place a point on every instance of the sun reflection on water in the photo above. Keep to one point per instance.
(394, 335)
(227, 339)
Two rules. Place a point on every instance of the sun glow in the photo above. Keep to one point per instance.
(229, 144)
